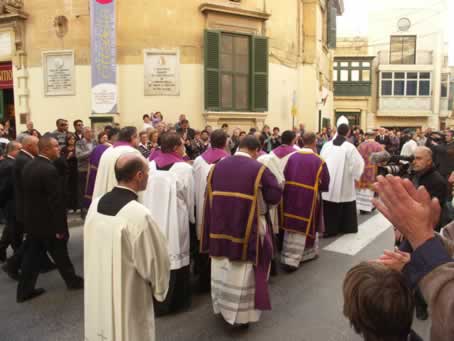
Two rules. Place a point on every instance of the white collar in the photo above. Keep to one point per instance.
(238, 153)
(127, 188)
(27, 153)
(44, 156)
(307, 150)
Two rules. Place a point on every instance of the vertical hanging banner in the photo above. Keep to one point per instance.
(451, 33)
(103, 57)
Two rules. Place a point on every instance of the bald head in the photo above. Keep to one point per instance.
(48, 146)
(13, 148)
(131, 170)
(30, 144)
(423, 160)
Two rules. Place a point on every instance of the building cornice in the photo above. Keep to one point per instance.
(233, 10)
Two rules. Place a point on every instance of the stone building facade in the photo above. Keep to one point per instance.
(298, 59)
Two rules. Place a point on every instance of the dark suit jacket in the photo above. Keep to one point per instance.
(7, 186)
(43, 214)
(386, 141)
(21, 160)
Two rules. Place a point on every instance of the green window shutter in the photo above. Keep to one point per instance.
(332, 25)
(259, 73)
(212, 70)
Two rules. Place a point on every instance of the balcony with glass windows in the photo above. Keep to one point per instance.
(406, 93)
(419, 57)
(352, 76)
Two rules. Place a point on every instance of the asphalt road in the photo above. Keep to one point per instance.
(307, 304)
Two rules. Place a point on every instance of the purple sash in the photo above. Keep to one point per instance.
(165, 159)
(283, 150)
(121, 143)
(213, 155)
(262, 295)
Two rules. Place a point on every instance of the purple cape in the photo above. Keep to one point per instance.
(213, 155)
(165, 159)
(300, 205)
(283, 150)
(93, 163)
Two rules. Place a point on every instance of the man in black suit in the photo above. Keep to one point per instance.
(44, 222)
(28, 152)
(383, 139)
(7, 201)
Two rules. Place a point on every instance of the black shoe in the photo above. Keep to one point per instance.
(421, 313)
(2, 256)
(288, 268)
(33, 294)
(14, 275)
(76, 284)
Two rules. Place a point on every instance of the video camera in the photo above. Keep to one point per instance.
(392, 164)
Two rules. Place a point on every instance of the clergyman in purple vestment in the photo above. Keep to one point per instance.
(364, 192)
(236, 234)
(306, 176)
(93, 164)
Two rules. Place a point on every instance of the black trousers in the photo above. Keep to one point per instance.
(340, 217)
(179, 294)
(11, 235)
(34, 251)
(82, 179)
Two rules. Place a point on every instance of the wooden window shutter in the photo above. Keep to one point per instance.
(212, 70)
(332, 25)
(259, 73)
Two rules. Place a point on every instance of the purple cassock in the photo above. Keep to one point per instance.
(283, 150)
(155, 154)
(306, 175)
(370, 170)
(93, 163)
(230, 227)
(213, 155)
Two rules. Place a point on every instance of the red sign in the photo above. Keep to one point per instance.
(6, 76)
(104, 2)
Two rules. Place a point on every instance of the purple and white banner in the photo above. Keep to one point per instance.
(103, 57)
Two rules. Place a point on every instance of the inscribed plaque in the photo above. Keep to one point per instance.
(6, 44)
(58, 71)
(162, 73)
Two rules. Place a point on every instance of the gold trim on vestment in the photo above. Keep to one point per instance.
(297, 217)
(299, 184)
(225, 236)
(314, 200)
(253, 211)
(233, 195)
(209, 200)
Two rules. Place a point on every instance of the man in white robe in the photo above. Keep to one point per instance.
(105, 178)
(125, 260)
(201, 168)
(345, 166)
(170, 199)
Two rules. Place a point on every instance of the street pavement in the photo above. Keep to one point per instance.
(307, 304)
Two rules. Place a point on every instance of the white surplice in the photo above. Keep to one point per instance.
(170, 198)
(105, 177)
(277, 167)
(125, 266)
(345, 165)
(200, 169)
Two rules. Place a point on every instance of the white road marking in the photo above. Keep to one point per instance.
(351, 244)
